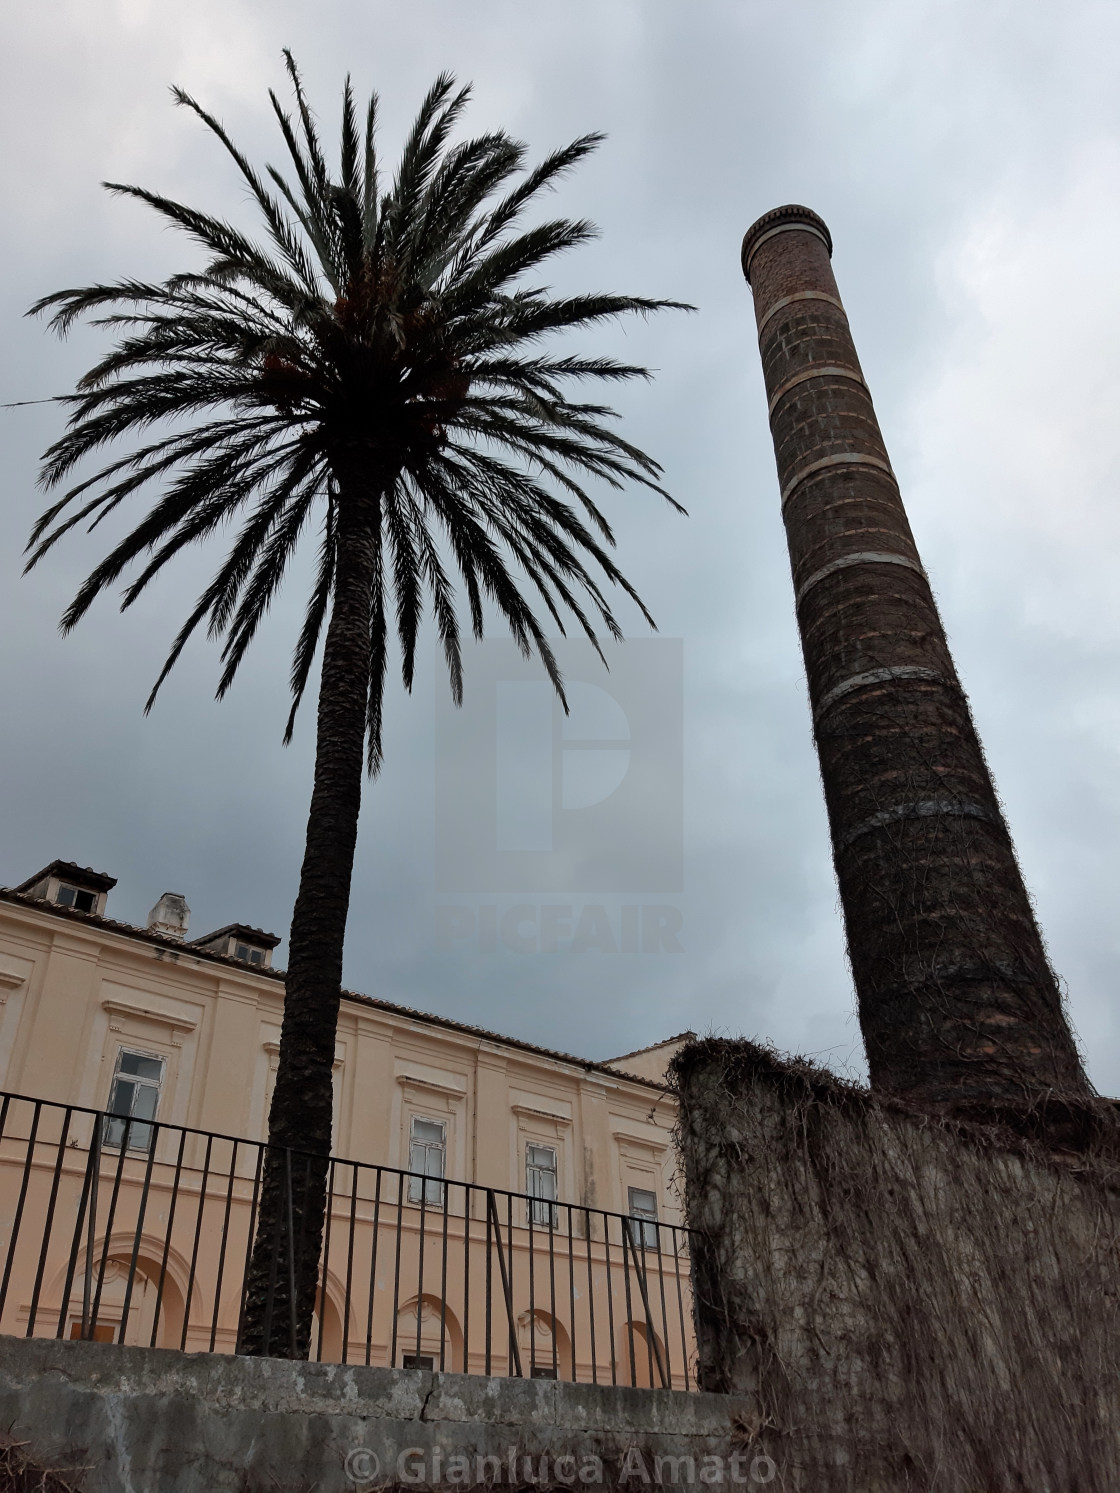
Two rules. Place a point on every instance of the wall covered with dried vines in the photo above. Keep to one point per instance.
(910, 1303)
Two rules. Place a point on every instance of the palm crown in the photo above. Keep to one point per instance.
(380, 344)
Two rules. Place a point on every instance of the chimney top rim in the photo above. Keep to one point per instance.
(791, 216)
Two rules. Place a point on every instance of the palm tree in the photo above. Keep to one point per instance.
(377, 372)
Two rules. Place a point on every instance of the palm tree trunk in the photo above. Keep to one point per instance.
(294, 1183)
(958, 1004)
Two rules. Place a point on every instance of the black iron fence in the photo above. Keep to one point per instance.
(139, 1231)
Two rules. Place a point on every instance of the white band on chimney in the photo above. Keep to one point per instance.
(924, 809)
(800, 295)
(815, 370)
(841, 459)
(865, 557)
(875, 676)
(799, 225)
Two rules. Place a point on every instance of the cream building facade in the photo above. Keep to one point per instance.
(152, 1024)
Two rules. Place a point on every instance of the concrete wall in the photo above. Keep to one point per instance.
(152, 1421)
(907, 1304)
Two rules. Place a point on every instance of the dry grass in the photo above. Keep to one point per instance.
(21, 1473)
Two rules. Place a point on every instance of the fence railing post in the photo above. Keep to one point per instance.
(515, 1351)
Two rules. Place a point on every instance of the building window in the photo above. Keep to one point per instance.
(427, 1146)
(72, 896)
(643, 1213)
(134, 1097)
(418, 1361)
(251, 956)
(540, 1184)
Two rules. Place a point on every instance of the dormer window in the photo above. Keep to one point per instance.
(238, 941)
(79, 888)
(75, 897)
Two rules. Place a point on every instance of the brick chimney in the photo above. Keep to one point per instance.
(958, 1004)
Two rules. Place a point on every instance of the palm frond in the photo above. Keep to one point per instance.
(308, 642)
(370, 179)
(282, 232)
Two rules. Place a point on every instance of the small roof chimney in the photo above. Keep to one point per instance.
(170, 916)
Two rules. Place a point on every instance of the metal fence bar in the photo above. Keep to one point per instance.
(136, 1238)
(197, 1238)
(249, 1237)
(532, 1295)
(443, 1283)
(552, 1290)
(55, 1179)
(420, 1270)
(349, 1262)
(489, 1288)
(18, 1219)
(653, 1351)
(591, 1299)
(167, 1236)
(610, 1300)
(397, 1268)
(571, 1293)
(91, 1233)
(222, 1251)
(514, 1346)
(507, 1284)
(79, 1224)
(661, 1291)
(624, 1233)
(373, 1266)
(114, 1197)
(326, 1256)
(466, 1278)
(680, 1301)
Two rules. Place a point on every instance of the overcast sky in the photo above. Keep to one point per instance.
(967, 161)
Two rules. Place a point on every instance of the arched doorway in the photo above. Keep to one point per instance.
(326, 1348)
(441, 1337)
(155, 1314)
(546, 1349)
(638, 1353)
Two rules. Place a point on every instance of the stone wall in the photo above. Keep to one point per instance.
(138, 1420)
(906, 1303)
